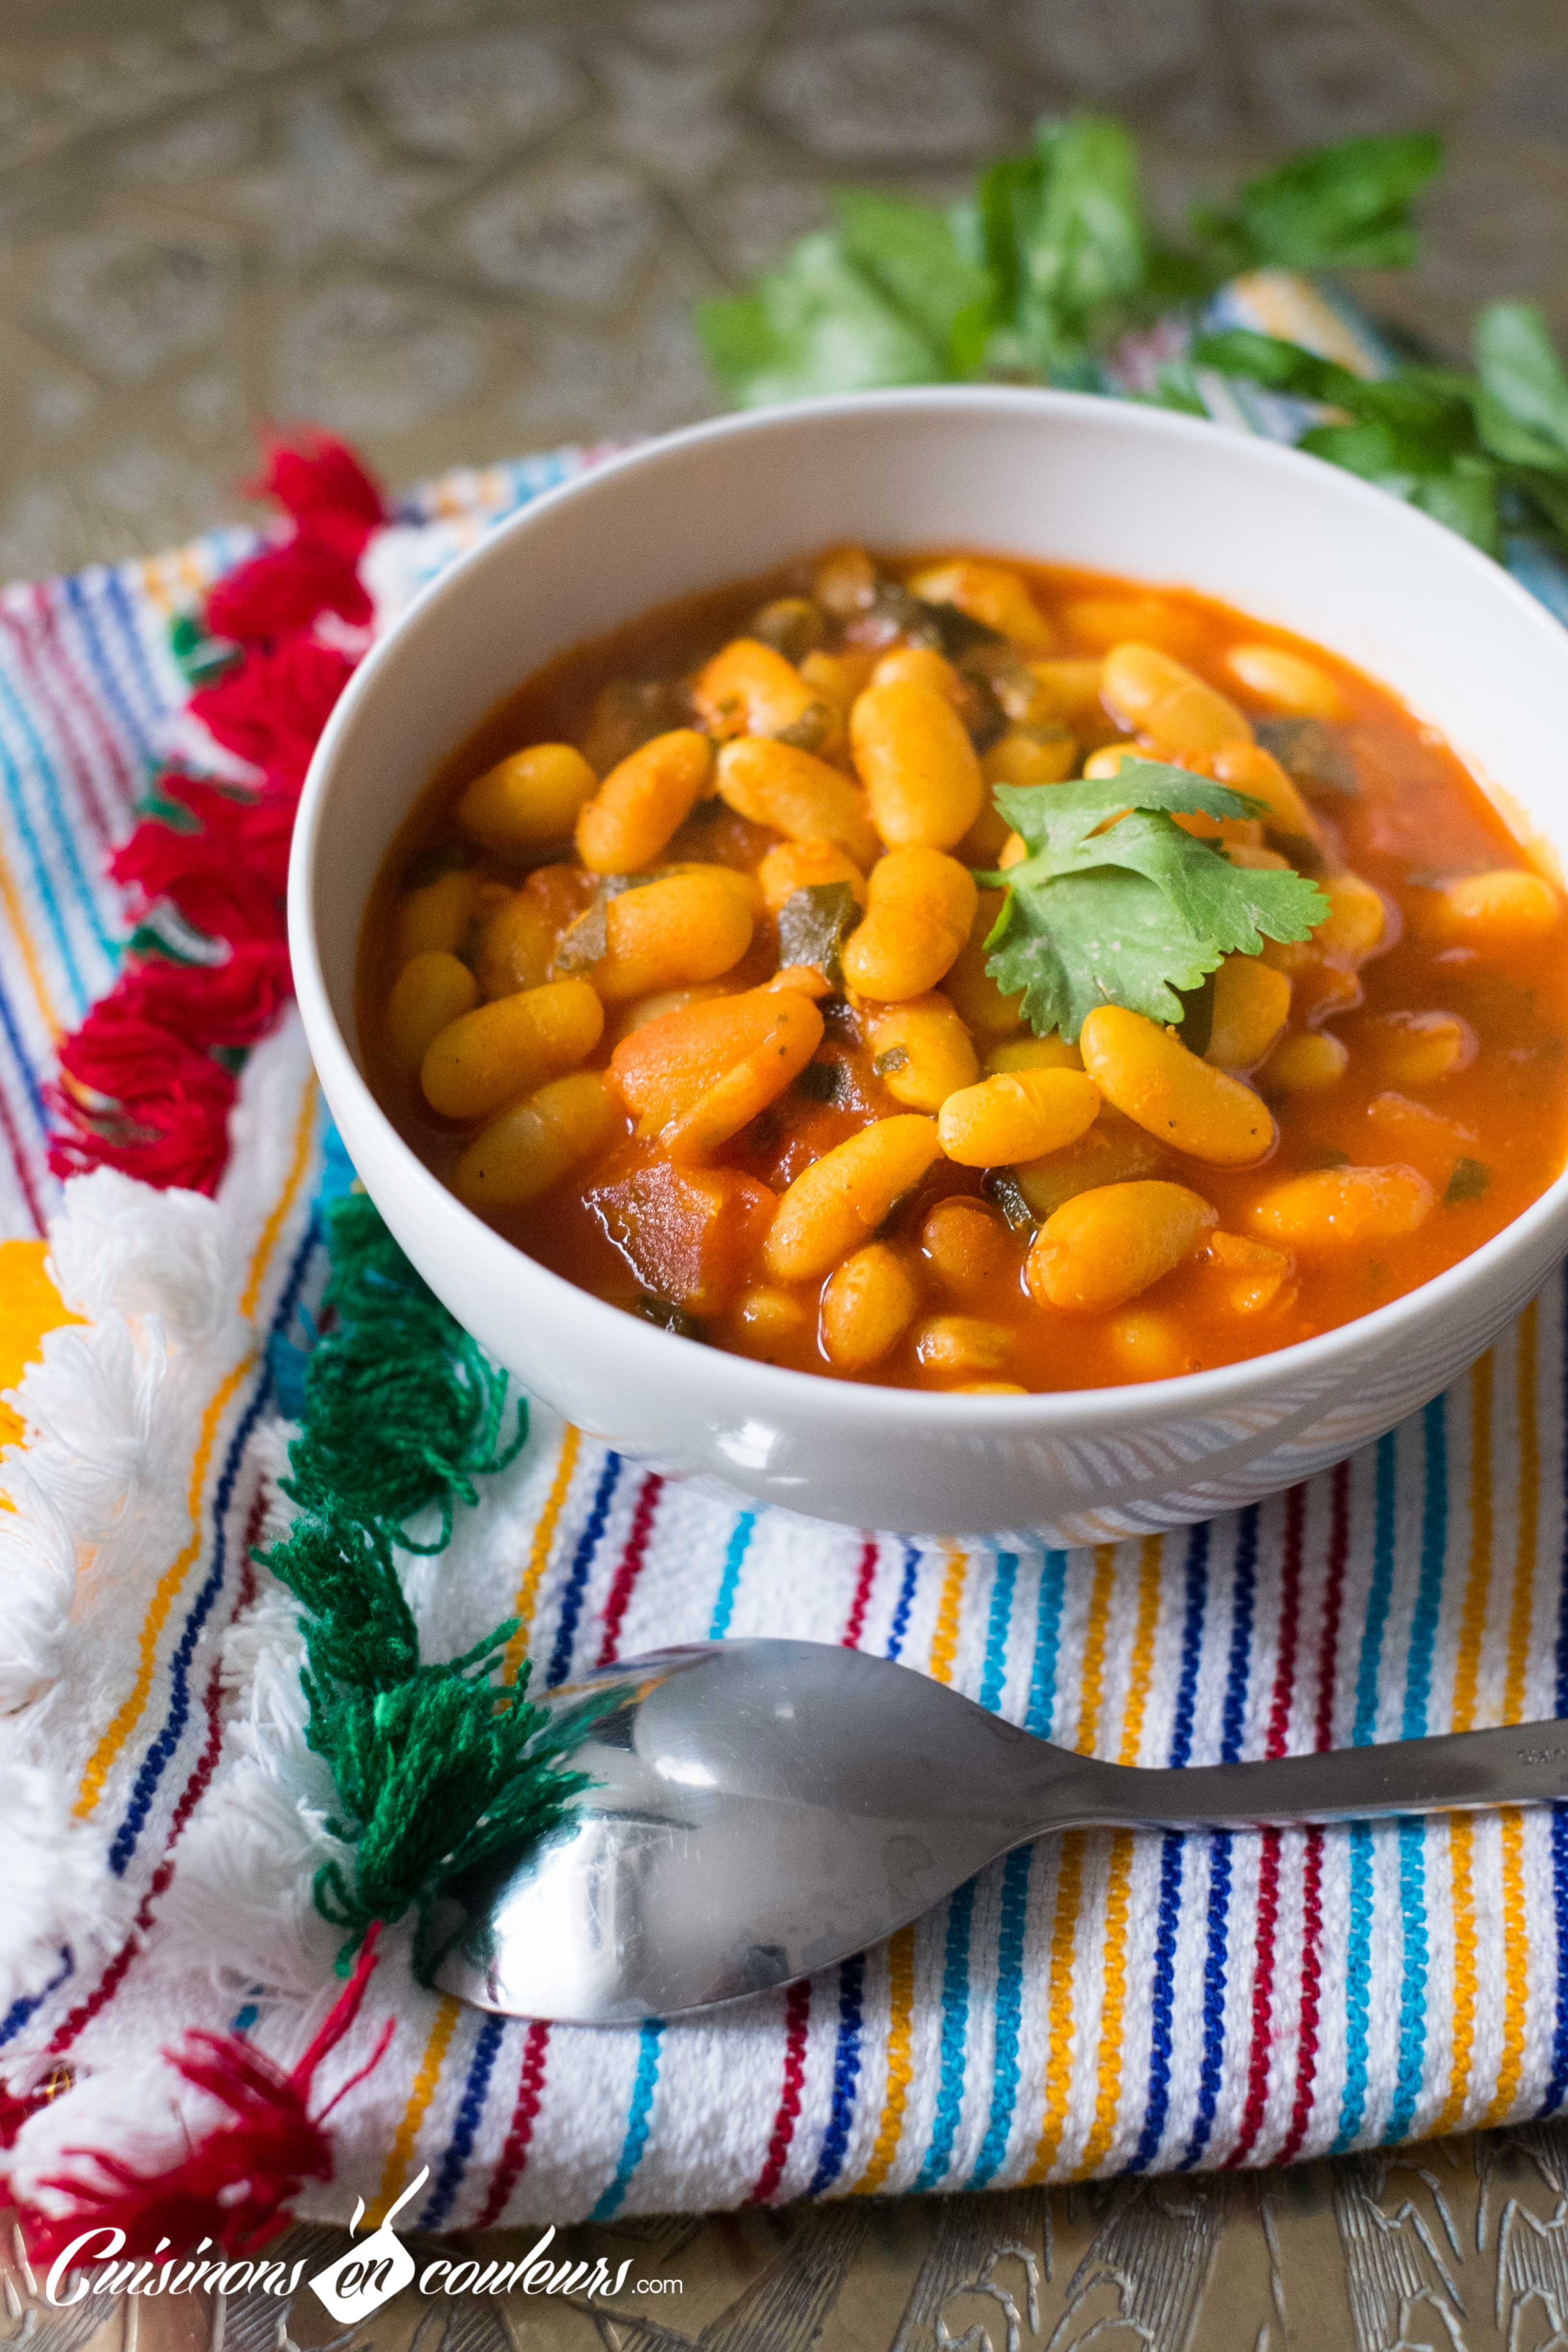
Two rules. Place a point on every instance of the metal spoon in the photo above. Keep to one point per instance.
(762, 1809)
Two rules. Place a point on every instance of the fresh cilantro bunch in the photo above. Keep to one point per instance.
(1053, 258)
(1482, 453)
(1036, 274)
(1135, 911)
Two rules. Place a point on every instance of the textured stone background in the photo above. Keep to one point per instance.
(453, 229)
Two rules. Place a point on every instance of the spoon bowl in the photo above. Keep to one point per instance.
(759, 1810)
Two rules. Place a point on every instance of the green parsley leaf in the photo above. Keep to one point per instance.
(1458, 488)
(819, 324)
(1062, 232)
(1085, 246)
(1311, 752)
(814, 923)
(1174, 388)
(1413, 433)
(1129, 908)
(1038, 272)
(1550, 492)
(1468, 1180)
(1270, 360)
(911, 253)
(1101, 938)
(1053, 258)
(1341, 207)
(1522, 410)
(1465, 500)
(1429, 409)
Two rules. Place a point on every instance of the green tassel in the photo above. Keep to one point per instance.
(359, 1629)
(437, 1775)
(438, 1767)
(402, 1411)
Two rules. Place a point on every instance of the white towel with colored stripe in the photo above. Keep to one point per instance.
(1100, 2005)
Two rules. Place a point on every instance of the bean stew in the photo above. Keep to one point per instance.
(970, 974)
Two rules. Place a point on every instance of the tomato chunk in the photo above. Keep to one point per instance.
(691, 1236)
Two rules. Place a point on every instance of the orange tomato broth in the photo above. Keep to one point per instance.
(1418, 817)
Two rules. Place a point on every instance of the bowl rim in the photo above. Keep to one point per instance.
(1067, 1411)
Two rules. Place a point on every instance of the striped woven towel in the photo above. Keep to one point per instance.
(1101, 2004)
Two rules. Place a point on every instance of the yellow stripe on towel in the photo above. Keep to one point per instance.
(901, 1950)
(539, 1552)
(12, 908)
(944, 1639)
(400, 2155)
(1521, 1611)
(901, 2015)
(30, 1308)
(1107, 2087)
(267, 1240)
(1069, 1883)
(1467, 1669)
(128, 1714)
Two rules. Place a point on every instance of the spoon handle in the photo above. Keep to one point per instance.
(1455, 1772)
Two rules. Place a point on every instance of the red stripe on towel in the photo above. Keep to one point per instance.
(514, 2150)
(1312, 1867)
(865, 1577)
(109, 1984)
(797, 2017)
(630, 1568)
(1268, 1864)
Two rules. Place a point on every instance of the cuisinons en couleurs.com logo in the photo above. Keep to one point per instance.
(358, 2284)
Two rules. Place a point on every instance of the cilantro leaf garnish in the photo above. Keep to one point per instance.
(1116, 904)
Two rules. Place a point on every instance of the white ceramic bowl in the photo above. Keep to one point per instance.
(1117, 488)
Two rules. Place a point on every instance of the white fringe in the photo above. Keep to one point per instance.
(102, 1506)
(121, 1247)
(112, 1410)
(257, 1840)
(57, 1886)
(38, 1566)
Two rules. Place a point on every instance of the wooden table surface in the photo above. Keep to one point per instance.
(456, 230)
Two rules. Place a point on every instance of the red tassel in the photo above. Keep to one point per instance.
(284, 588)
(233, 2185)
(139, 1088)
(271, 708)
(320, 482)
(14, 2110)
(133, 1097)
(231, 1003)
(263, 817)
(214, 896)
(228, 875)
